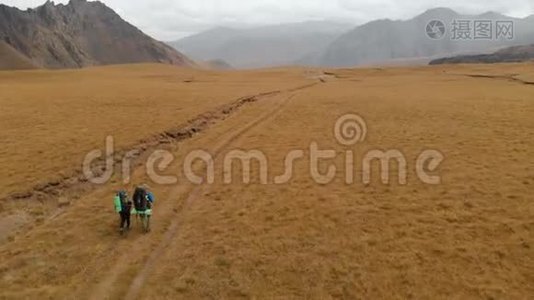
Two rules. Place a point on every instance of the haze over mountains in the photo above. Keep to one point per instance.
(75, 35)
(263, 46)
(338, 45)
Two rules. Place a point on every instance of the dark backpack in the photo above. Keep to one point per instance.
(124, 198)
(139, 199)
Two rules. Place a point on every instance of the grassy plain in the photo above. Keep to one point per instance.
(472, 236)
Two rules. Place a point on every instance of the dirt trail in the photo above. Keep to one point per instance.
(139, 280)
(77, 180)
(75, 183)
(104, 289)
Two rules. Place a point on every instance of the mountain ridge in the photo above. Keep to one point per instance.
(506, 55)
(79, 34)
(262, 46)
(379, 41)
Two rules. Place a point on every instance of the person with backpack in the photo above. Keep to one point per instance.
(143, 201)
(124, 207)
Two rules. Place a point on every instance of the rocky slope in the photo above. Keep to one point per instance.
(79, 34)
(512, 54)
(11, 59)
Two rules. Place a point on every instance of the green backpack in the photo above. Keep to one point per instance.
(120, 200)
(118, 204)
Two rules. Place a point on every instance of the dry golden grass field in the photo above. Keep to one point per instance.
(469, 237)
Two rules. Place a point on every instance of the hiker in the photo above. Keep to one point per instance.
(143, 201)
(123, 206)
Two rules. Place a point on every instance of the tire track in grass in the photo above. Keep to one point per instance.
(104, 288)
(140, 278)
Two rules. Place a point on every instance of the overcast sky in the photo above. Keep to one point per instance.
(172, 19)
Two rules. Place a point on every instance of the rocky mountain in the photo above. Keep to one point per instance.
(263, 46)
(511, 54)
(381, 41)
(78, 34)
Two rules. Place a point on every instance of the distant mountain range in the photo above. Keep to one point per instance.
(380, 41)
(340, 45)
(85, 33)
(75, 35)
(264, 46)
